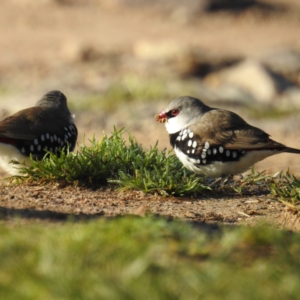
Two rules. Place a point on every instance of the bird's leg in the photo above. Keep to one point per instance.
(215, 182)
(227, 179)
(222, 180)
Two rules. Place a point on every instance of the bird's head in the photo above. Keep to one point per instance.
(55, 102)
(53, 99)
(181, 113)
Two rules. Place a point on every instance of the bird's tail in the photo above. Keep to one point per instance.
(292, 150)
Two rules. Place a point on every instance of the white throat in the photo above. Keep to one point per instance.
(176, 124)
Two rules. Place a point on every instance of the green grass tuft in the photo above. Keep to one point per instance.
(287, 187)
(117, 161)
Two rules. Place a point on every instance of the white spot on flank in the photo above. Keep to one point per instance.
(194, 144)
(184, 131)
(178, 138)
(47, 136)
(66, 128)
(206, 145)
(35, 141)
(42, 137)
(198, 161)
(55, 137)
(193, 151)
(221, 149)
(215, 151)
(227, 153)
(184, 136)
(191, 134)
(31, 148)
(69, 134)
(234, 154)
(208, 151)
(180, 133)
(188, 151)
(203, 155)
(204, 161)
(190, 143)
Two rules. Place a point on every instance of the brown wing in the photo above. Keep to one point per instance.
(221, 127)
(29, 123)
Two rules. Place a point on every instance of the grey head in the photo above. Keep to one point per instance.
(182, 112)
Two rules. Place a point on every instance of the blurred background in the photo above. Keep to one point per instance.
(119, 62)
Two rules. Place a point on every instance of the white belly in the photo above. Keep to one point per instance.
(9, 153)
(218, 168)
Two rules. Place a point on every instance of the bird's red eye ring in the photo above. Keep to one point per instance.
(174, 112)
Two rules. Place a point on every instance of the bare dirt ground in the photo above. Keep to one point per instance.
(54, 203)
(42, 46)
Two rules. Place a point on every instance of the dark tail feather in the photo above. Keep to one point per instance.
(291, 150)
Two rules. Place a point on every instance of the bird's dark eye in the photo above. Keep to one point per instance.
(174, 112)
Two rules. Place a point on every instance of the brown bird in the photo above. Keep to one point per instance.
(48, 126)
(215, 142)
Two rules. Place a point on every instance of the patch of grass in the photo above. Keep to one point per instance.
(287, 187)
(258, 180)
(117, 161)
(146, 258)
(255, 177)
(282, 185)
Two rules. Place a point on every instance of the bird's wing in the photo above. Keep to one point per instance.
(225, 128)
(27, 124)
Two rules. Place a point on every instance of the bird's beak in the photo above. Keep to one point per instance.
(162, 117)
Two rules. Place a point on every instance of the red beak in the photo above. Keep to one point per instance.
(162, 117)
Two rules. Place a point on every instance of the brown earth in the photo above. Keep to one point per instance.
(42, 47)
